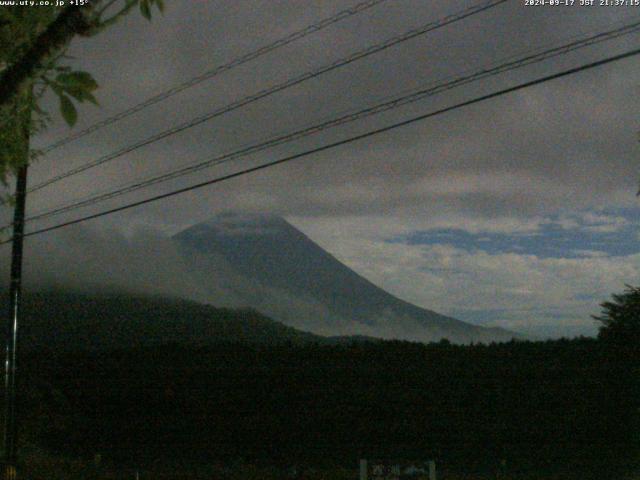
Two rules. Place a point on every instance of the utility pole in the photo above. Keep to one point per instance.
(15, 297)
(23, 116)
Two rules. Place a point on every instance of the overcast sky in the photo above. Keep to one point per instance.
(518, 212)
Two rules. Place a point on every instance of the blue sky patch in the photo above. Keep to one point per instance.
(594, 233)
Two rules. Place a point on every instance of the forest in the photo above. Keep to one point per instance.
(555, 409)
(168, 387)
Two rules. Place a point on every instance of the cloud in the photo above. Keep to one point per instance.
(89, 259)
(558, 236)
(506, 166)
(560, 145)
(552, 296)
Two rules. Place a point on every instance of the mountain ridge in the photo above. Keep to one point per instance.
(277, 257)
(65, 320)
(259, 262)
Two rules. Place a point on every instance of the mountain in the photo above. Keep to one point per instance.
(263, 262)
(235, 261)
(77, 321)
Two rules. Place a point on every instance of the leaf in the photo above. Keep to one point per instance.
(81, 95)
(77, 79)
(85, 79)
(56, 88)
(145, 10)
(68, 110)
(78, 85)
(77, 93)
(89, 96)
(160, 4)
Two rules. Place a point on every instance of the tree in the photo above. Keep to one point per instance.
(620, 318)
(33, 41)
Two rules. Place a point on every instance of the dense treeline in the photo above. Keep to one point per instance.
(71, 321)
(556, 409)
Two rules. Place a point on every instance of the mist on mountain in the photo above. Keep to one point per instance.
(237, 260)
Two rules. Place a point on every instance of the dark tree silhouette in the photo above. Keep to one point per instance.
(620, 318)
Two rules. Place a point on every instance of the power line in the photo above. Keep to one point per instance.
(395, 103)
(277, 88)
(329, 146)
(532, 55)
(281, 42)
(537, 57)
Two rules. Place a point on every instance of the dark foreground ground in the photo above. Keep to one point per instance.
(522, 410)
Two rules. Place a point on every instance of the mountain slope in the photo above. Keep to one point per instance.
(284, 274)
(77, 321)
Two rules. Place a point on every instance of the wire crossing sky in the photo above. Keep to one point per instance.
(371, 50)
(281, 42)
(395, 103)
(528, 84)
(518, 212)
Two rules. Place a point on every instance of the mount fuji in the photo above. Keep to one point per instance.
(263, 262)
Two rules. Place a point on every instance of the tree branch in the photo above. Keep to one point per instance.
(73, 20)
